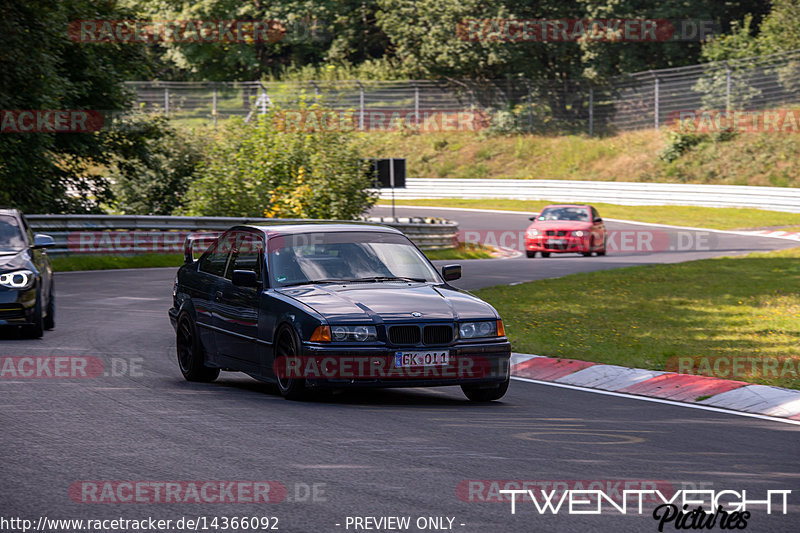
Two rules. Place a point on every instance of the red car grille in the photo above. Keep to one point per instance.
(556, 233)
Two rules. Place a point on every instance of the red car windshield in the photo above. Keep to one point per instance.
(580, 214)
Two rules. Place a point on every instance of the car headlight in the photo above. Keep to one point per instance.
(353, 333)
(19, 279)
(533, 233)
(473, 330)
(579, 233)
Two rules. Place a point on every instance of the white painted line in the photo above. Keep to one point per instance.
(660, 400)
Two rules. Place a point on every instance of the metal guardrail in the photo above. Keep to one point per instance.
(612, 192)
(131, 234)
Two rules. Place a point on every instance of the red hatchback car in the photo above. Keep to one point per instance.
(566, 229)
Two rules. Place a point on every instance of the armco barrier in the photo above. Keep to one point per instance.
(611, 192)
(125, 234)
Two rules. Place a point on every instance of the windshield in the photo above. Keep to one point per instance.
(11, 239)
(565, 213)
(358, 256)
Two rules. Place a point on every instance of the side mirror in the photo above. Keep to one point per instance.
(532, 218)
(43, 241)
(451, 272)
(245, 278)
(598, 219)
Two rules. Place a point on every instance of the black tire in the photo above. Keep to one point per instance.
(50, 319)
(586, 254)
(530, 254)
(603, 251)
(485, 395)
(287, 345)
(191, 358)
(36, 329)
(545, 254)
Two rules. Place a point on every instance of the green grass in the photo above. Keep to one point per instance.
(704, 217)
(745, 307)
(462, 252)
(764, 159)
(108, 262)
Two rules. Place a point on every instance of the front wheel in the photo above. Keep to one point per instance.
(36, 329)
(50, 319)
(191, 357)
(485, 395)
(545, 254)
(287, 345)
(530, 254)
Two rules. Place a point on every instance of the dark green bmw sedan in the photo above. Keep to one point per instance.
(331, 306)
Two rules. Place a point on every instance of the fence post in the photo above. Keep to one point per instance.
(360, 106)
(530, 109)
(166, 102)
(656, 106)
(214, 105)
(591, 111)
(416, 105)
(727, 87)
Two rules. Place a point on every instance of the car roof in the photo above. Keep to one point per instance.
(291, 228)
(9, 211)
(566, 205)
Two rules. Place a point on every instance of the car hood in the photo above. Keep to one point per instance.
(390, 302)
(14, 261)
(569, 225)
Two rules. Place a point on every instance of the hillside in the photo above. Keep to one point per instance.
(746, 159)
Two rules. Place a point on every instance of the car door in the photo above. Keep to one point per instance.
(238, 309)
(206, 290)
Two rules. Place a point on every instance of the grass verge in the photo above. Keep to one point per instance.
(735, 318)
(746, 159)
(462, 252)
(678, 215)
(109, 262)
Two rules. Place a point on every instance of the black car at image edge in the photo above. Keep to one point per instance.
(310, 306)
(27, 299)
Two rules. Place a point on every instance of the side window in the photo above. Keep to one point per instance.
(247, 255)
(594, 213)
(215, 259)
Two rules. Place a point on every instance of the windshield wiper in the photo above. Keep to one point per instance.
(371, 279)
(391, 278)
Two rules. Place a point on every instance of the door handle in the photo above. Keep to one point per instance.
(218, 296)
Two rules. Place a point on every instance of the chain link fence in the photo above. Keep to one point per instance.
(636, 101)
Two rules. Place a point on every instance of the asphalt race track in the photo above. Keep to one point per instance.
(408, 453)
(689, 245)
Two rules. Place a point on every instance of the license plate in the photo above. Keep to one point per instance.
(557, 241)
(408, 359)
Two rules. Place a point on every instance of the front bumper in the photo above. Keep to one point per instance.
(352, 366)
(17, 307)
(563, 244)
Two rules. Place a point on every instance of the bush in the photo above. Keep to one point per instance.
(151, 171)
(265, 169)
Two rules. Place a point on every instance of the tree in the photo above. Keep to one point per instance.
(266, 169)
(152, 170)
(44, 70)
